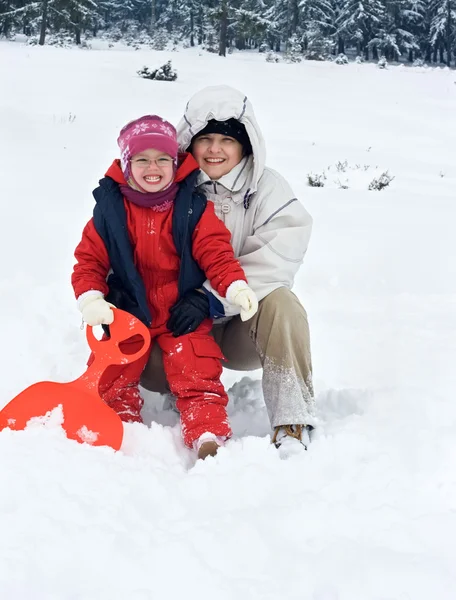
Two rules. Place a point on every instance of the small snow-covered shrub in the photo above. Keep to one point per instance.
(163, 73)
(341, 59)
(263, 47)
(314, 55)
(381, 182)
(294, 50)
(64, 119)
(272, 57)
(143, 37)
(359, 60)
(419, 62)
(344, 176)
(211, 41)
(341, 166)
(382, 63)
(60, 40)
(132, 42)
(316, 179)
(145, 73)
(166, 73)
(115, 34)
(160, 40)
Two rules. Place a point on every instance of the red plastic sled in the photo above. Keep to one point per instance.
(86, 417)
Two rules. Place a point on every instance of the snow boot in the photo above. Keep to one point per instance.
(291, 439)
(208, 445)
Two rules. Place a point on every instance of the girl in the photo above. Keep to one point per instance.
(160, 239)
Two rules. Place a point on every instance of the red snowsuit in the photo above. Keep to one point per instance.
(193, 361)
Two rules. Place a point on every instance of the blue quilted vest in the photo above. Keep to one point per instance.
(126, 287)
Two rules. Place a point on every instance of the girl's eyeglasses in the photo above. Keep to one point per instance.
(143, 163)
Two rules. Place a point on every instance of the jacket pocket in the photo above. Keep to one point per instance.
(206, 347)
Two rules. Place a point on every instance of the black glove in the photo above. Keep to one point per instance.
(188, 313)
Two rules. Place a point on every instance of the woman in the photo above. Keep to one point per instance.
(270, 231)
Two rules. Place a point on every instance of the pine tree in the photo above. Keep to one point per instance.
(396, 36)
(19, 15)
(319, 23)
(249, 26)
(397, 29)
(443, 24)
(360, 22)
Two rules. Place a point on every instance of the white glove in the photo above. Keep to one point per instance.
(95, 310)
(241, 295)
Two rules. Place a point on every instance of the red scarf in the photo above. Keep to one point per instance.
(158, 201)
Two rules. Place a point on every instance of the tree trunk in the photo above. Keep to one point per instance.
(200, 24)
(340, 45)
(295, 15)
(448, 33)
(240, 43)
(78, 35)
(292, 18)
(434, 55)
(427, 56)
(410, 56)
(223, 28)
(441, 53)
(4, 27)
(153, 16)
(374, 53)
(192, 27)
(44, 7)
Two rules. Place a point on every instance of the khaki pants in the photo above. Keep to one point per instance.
(277, 339)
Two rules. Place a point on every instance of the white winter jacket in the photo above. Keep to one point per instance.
(270, 229)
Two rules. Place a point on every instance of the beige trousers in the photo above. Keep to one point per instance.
(277, 339)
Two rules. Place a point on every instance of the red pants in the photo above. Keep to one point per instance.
(193, 367)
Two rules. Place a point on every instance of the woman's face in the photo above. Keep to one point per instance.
(152, 170)
(216, 154)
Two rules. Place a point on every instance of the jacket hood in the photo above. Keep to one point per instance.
(186, 164)
(222, 102)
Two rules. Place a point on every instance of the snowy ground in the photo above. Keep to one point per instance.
(369, 513)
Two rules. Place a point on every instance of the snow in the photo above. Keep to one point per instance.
(368, 513)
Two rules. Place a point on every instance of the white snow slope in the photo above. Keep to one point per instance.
(369, 512)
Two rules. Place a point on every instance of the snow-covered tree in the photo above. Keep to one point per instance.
(396, 29)
(360, 21)
(318, 21)
(294, 50)
(443, 23)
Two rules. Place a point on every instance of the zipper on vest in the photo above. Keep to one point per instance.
(184, 244)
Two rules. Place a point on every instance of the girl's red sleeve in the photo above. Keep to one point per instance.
(214, 253)
(92, 266)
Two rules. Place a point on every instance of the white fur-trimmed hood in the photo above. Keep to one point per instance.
(222, 102)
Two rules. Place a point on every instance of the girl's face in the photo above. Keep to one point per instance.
(152, 170)
(216, 154)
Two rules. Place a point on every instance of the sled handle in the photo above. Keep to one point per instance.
(121, 329)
